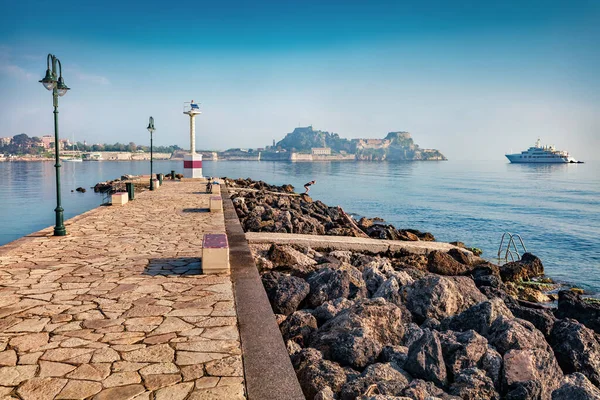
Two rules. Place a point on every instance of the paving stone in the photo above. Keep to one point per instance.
(191, 357)
(156, 353)
(230, 366)
(30, 358)
(12, 376)
(192, 372)
(48, 368)
(29, 325)
(29, 342)
(120, 392)
(41, 388)
(153, 382)
(221, 332)
(8, 358)
(218, 393)
(64, 354)
(105, 355)
(91, 372)
(164, 338)
(79, 389)
(161, 368)
(120, 366)
(122, 379)
(175, 392)
(172, 324)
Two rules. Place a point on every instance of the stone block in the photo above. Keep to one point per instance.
(119, 198)
(215, 254)
(216, 204)
(156, 183)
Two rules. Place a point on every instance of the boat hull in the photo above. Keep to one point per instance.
(515, 159)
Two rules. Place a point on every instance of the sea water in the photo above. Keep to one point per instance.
(554, 208)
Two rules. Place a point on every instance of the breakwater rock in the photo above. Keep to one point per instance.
(415, 327)
(267, 208)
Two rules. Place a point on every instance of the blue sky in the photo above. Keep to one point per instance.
(472, 79)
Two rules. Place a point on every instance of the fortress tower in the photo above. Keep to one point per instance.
(192, 163)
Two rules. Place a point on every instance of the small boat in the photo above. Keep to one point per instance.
(74, 156)
(542, 154)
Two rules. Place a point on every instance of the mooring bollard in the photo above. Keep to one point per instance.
(160, 178)
(172, 174)
(130, 190)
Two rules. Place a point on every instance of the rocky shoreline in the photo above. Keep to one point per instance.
(448, 325)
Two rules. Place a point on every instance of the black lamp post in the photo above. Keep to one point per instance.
(58, 88)
(151, 129)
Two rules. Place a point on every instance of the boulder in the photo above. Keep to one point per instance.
(390, 290)
(527, 390)
(443, 263)
(283, 255)
(576, 387)
(285, 292)
(506, 334)
(389, 379)
(335, 281)
(461, 256)
(535, 364)
(394, 354)
(331, 308)
(479, 317)
(571, 305)
(425, 359)
(342, 255)
(315, 374)
(576, 349)
(419, 389)
(439, 297)
(474, 384)
(470, 350)
(529, 266)
(356, 336)
(373, 278)
(412, 333)
(298, 327)
(542, 319)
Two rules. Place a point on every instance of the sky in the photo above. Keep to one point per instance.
(474, 79)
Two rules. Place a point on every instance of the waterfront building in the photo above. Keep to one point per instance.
(320, 151)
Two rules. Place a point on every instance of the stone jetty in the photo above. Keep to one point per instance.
(119, 309)
(409, 318)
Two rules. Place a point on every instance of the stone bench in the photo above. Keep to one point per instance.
(216, 204)
(119, 198)
(215, 254)
(216, 189)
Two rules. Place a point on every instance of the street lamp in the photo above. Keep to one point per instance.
(151, 129)
(58, 88)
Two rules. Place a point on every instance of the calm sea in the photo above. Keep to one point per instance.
(555, 208)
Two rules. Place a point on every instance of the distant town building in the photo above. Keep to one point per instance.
(321, 151)
(47, 140)
(5, 141)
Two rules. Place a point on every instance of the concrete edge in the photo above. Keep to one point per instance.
(268, 371)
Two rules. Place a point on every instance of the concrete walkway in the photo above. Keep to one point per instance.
(350, 243)
(117, 309)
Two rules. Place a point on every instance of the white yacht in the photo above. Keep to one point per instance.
(541, 154)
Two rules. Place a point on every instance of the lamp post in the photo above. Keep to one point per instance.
(151, 129)
(58, 88)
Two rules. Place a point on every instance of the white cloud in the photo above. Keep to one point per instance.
(15, 71)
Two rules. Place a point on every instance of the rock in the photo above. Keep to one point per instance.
(576, 387)
(440, 297)
(420, 390)
(373, 278)
(388, 378)
(542, 319)
(506, 334)
(394, 354)
(342, 255)
(473, 384)
(315, 374)
(478, 317)
(298, 327)
(461, 256)
(529, 266)
(331, 308)
(292, 347)
(425, 359)
(576, 349)
(390, 290)
(412, 333)
(532, 295)
(325, 394)
(444, 264)
(527, 390)
(285, 292)
(536, 364)
(570, 305)
(356, 336)
(335, 281)
(470, 350)
(283, 255)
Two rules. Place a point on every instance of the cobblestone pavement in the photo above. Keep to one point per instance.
(117, 309)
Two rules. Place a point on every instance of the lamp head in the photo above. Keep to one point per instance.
(151, 127)
(49, 80)
(61, 87)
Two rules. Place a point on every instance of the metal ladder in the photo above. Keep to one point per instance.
(511, 247)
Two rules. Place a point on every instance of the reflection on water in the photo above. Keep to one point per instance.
(554, 207)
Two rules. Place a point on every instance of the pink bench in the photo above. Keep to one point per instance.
(215, 253)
